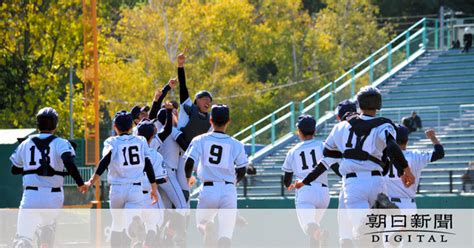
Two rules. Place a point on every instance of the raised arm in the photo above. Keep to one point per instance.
(160, 96)
(438, 152)
(183, 89)
(168, 124)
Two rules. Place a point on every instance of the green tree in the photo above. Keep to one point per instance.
(38, 42)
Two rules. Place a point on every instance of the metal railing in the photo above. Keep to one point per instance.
(399, 112)
(86, 173)
(461, 108)
(375, 69)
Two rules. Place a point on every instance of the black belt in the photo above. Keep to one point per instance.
(161, 180)
(36, 188)
(373, 173)
(399, 200)
(145, 192)
(138, 184)
(322, 185)
(212, 183)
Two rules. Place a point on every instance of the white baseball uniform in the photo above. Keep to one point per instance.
(217, 156)
(360, 191)
(151, 215)
(39, 192)
(402, 196)
(172, 192)
(125, 173)
(311, 200)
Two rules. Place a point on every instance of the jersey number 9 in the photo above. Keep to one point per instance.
(216, 153)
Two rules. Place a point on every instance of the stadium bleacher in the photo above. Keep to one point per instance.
(439, 86)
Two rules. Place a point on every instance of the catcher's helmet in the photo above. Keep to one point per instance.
(369, 98)
(47, 118)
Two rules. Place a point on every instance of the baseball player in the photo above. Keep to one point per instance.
(402, 196)
(138, 113)
(299, 161)
(126, 157)
(152, 218)
(172, 191)
(221, 163)
(41, 159)
(345, 110)
(362, 140)
(193, 116)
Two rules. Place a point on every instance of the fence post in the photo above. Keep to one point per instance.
(448, 35)
(352, 82)
(450, 181)
(424, 34)
(282, 186)
(301, 107)
(273, 128)
(331, 101)
(316, 106)
(253, 140)
(436, 39)
(439, 120)
(371, 74)
(292, 117)
(389, 66)
(245, 186)
(407, 44)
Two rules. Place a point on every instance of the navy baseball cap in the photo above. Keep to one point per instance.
(344, 107)
(306, 123)
(402, 134)
(123, 120)
(146, 128)
(220, 113)
(136, 110)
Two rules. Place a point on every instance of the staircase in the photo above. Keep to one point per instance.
(434, 85)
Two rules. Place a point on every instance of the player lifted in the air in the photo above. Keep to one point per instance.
(221, 163)
(194, 115)
(41, 159)
(311, 201)
(126, 157)
(402, 196)
(362, 140)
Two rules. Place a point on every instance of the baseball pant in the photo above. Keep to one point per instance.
(125, 196)
(39, 207)
(311, 202)
(218, 199)
(152, 213)
(345, 228)
(171, 192)
(360, 193)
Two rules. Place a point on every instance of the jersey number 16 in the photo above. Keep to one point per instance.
(133, 156)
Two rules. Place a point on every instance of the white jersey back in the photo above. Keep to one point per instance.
(27, 156)
(171, 152)
(217, 155)
(374, 144)
(302, 158)
(128, 158)
(160, 172)
(417, 160)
